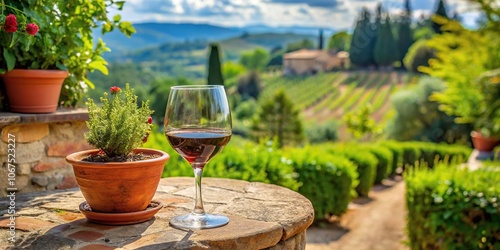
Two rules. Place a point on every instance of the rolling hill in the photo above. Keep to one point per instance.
(188, 59)
(154, 34)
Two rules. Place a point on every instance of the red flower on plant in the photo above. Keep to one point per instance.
(31, 28)
(145, 138)
(10, 24)
(114, 90)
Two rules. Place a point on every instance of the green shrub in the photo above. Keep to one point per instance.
(120, 124)
(411, 154)
(453, 208)
(397, 155)
(432, 153)
(385, 158)
(366, 163)
(240, 159)
(418, 55)
(318, 133)
(327, 180)
(248, 161)
(453, 154)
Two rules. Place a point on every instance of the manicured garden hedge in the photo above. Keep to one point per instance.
(365, 162)
(326, 180)
(329, 174)
(384, 164)
(397, 155)
(409, 154)
(453, 208)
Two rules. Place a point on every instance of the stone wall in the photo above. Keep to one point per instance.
(41, 145)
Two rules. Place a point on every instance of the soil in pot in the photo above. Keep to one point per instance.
(102, 157)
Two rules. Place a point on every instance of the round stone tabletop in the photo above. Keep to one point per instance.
(262, 216)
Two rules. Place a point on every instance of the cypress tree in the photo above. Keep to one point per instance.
(440, 11)
(405, 39)
(320, 42)
(361, 44)
(377, 26)
(386, 52)
(214, 66)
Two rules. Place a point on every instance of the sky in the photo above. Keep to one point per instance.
(334, 14)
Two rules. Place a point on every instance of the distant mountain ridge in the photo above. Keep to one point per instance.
(154, 34)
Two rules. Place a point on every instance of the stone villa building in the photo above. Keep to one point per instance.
(307, 62)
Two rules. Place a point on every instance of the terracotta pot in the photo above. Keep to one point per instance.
(118, 187)
(32, 90)
(484, 144)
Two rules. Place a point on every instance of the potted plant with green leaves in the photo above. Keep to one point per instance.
(486, 134)
(62, 52)
(478, 105)
(118, 179)
(472, 92)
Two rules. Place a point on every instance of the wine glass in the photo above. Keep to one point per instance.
(198, 126)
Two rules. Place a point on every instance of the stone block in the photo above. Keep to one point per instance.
(49, 164)
(3, 148)
(29, 152)
(26, 223)
(86, 235)
(3, 184)
(97, 247)
(69, 181)
(54, 180)
(22, 181)
(26, 132)
(40, 180)
(64, 148)
(62, 131)
(23, 169)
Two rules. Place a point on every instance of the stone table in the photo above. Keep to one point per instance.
(262, 216)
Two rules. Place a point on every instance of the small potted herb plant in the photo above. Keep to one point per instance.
(118, 176)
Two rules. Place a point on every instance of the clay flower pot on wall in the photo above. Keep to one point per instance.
(484, 144)
(33, 91)
(118, 187)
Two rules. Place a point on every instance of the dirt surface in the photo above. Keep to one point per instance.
(374, 223)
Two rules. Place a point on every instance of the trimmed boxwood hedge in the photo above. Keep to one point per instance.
(366, 163)
(329, 174)
(453, 208)
(385, 158)
(429, 154)
(397, 155)
(326, 180)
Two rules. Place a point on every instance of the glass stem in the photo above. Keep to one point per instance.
(198, 204)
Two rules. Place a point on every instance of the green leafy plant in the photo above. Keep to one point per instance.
(65, 40)
(277, 117)
(467, 95)
(14, 28)
(451, 207)
(120, 125)
(360, 123)
(327, 180)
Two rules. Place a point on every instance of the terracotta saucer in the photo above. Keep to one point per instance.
(120, 218)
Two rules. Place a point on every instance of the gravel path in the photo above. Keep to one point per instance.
(375, 223)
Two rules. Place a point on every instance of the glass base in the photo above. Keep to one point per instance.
(198, 221)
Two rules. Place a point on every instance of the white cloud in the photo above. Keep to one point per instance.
(336, 14)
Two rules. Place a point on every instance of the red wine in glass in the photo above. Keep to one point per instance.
(198, 125)
(198, 146)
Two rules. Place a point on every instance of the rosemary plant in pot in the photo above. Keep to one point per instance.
(118, 176)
